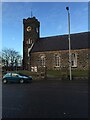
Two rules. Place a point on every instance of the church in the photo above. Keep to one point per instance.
(52, 52)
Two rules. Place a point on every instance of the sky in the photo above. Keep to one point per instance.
(53, 19)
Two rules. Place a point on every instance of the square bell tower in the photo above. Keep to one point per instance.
(31, 33)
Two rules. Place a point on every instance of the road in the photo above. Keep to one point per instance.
(45, 99)
(0, 99)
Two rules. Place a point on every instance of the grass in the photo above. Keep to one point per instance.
(75, 73)
(56, 73)
(53, 73)
(80, 73)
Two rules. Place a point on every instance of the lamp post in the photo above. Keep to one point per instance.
(67, 8)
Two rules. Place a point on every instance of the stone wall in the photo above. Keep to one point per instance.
(82, 59)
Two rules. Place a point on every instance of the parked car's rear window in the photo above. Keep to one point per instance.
(8, 74)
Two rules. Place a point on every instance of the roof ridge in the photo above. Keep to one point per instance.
(63, 35)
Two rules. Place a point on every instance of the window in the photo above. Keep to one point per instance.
(29, 41)
(8, 75)
(57, 60)
(37, 30)
(14, 74)
(74, 60)
(28, 51)
(42, 59)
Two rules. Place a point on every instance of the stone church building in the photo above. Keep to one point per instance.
(52, 52)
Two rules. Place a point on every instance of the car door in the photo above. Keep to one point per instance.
(15, 77)
(9, 76)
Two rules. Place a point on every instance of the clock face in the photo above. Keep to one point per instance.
(28, 28)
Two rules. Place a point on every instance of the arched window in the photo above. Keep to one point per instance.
(74, 60)
(29, 41)
(57, 60)
(42, 60)
(28, 51)
(37, 29)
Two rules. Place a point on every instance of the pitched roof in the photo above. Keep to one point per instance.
(54, 43)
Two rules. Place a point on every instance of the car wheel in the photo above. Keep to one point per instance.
(4, 81)
(21, 81)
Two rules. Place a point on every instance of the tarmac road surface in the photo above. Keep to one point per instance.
(45, 99)
(0, 99)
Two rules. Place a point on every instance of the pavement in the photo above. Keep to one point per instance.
(45, 99)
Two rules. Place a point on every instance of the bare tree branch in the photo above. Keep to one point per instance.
(10, 57)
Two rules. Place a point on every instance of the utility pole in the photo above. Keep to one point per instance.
(67, 8)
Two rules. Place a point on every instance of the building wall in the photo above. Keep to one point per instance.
(82, 59)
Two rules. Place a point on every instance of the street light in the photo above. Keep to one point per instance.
(67, 8)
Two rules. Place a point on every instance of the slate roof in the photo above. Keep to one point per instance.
(54, 43)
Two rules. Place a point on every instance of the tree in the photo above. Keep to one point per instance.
(5, 57)
(11, 58)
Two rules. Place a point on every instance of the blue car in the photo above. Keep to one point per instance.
(15, 77)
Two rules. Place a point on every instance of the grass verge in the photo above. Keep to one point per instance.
(54, 73)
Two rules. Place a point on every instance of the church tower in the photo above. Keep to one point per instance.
(31, 34)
